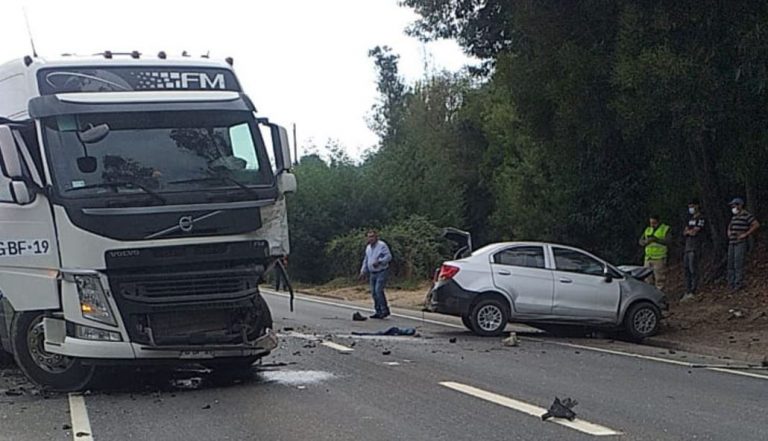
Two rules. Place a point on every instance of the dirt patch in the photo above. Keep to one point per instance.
(720, 318)
(397, 297)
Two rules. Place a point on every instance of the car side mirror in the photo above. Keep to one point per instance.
(607, 275)
(11, 167)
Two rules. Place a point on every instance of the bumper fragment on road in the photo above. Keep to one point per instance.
(81, 424)
(530, 409)
(336, 346)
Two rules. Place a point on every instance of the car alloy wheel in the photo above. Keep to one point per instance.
(645, 321)
(489, 318)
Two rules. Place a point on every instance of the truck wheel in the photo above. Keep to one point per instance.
(51, 371)
(488, 317)
(642, 320)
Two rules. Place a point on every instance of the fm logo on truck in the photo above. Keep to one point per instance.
(179, 80)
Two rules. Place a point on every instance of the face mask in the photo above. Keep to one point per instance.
(735, 210)
(691, 210)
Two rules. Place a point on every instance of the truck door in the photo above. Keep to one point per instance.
(520, 271)
(29, 258)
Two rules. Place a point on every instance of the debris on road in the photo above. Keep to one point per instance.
(452, 340)
(391, 331)
(187, 383)
(735, 313)
(561, 409)
(359, 317)
(512, 340)
(387, 352)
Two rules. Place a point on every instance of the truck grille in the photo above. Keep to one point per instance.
(185, 286)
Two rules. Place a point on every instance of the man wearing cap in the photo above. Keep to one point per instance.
(743, 224)
(692, 254)
(656, 242)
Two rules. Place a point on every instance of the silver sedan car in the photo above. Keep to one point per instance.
(543, 284)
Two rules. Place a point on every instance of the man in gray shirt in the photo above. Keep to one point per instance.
(376, 266)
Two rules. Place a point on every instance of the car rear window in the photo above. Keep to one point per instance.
(529, 257)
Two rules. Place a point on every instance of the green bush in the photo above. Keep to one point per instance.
(415, 244)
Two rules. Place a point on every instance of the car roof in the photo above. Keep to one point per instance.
(494, 247)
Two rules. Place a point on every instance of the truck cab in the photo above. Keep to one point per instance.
(142, 200)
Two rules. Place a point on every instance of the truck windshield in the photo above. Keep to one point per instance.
(157, 152)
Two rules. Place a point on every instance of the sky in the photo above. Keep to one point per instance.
(301, 61)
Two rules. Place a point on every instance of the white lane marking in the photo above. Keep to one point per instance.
(559, 343)
(81, 424)
(326, 343)
(735, 372)
(391, 363)
(530, 409)
(336, 346)
(611, 351)
(360, 308)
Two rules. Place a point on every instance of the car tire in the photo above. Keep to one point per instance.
(642, 320)
(50, 371)
(489, 317)
(467, 323)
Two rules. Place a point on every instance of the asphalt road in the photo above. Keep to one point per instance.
(443, 384)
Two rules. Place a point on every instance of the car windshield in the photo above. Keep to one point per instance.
(156, 152)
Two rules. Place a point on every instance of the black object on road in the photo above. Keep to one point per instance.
(391, 331)
(359, 317)
(561, 409)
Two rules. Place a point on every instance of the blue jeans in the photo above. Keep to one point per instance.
(736, 255)
(378, 282)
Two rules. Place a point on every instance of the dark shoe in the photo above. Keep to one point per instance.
(376, 316)
(385, 315)
(358, 317)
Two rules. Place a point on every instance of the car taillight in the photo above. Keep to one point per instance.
(447, 272)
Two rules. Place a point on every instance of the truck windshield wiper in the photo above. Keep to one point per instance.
(126, 184)
(219, 178)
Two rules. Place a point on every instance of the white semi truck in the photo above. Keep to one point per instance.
(139, 210)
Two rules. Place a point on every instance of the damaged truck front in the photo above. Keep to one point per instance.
(139, 210)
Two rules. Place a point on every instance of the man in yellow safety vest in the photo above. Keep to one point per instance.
(655, 239)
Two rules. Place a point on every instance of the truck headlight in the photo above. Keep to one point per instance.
(93, 300)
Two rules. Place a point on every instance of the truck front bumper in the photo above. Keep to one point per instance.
(57, 342)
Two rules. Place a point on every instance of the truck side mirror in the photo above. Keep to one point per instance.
(11, 167)
(282, 148)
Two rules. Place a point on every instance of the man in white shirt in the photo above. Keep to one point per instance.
(376, 267)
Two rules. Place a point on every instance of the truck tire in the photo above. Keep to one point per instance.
(50, 371)
(642, 320)
(489, 317)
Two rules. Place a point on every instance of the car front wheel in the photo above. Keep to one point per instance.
(488, 317)
(642, 320)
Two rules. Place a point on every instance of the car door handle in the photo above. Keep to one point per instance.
(566, 280)
(505, 273)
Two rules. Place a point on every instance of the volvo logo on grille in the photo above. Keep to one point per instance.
(185, 223)
(124, 253)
